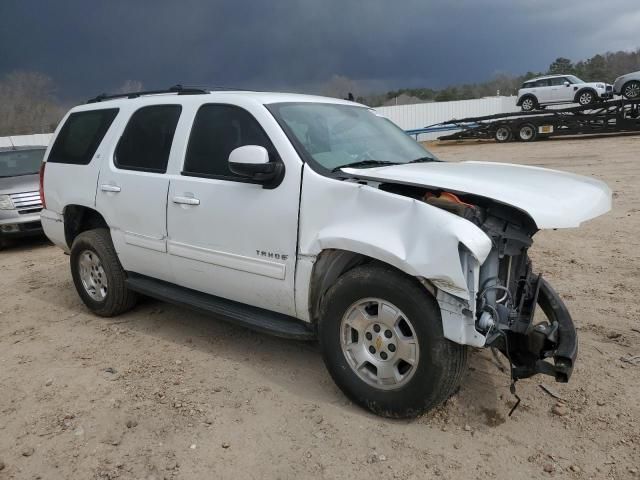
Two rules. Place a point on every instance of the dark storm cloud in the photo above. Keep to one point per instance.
(91, 46)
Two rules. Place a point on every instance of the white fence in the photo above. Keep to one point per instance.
(36, 140)
(409, 117)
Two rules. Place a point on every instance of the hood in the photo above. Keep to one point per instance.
(20, 184)
(552, 199)
(593, 84)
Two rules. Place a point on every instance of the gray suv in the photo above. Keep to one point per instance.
(19, 192)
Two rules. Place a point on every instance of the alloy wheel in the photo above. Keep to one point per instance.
(379, 343)
(92, 275)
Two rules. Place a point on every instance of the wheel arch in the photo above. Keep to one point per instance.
(80, 218)
(332, 263)
(526, 95)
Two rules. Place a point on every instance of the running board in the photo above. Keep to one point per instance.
(247, 316)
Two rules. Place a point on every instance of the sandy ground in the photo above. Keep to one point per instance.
(164, 393)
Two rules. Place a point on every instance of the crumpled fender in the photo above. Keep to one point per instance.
(413, 236)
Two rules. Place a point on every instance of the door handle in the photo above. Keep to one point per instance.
(109, 188)
(186, 200)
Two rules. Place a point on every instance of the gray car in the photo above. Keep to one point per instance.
(20, 192)
(628, 85)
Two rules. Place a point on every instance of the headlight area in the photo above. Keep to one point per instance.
(6, 203)
(506, 290)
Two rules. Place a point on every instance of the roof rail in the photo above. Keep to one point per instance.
(179, 89)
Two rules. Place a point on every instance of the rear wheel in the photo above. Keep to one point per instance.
(503, 134)
(382, 342)
(586, 97)
(631, 90)
(98, 275)
(529, 103)
(527, 132)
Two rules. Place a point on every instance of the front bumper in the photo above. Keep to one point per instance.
(557, 343)
(605, 95)
(13, 224)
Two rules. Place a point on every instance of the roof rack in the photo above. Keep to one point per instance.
(179, 89)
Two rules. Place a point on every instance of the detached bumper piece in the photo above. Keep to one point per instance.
(549, 347)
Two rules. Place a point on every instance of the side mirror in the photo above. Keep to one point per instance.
(566, 84)
(252, 161)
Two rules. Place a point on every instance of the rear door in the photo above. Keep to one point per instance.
(132, 189)
(543, 91)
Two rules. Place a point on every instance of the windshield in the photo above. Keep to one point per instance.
(573, 79)
(344, 135)
(14, 163)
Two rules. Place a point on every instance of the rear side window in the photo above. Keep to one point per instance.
(146, 141)
(542, 83)
(80, 136)
(528, 85)
(217, 131)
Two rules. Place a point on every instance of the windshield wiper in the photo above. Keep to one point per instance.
(365, 163)
(423, 159)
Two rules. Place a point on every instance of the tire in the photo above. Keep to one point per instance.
(529, 103)
(503, 134)
(94, 249)
(631, 90)
(439, 363)
(586, 97)
(527, 132)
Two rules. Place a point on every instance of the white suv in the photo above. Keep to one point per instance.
(311, 217)
(557, 89)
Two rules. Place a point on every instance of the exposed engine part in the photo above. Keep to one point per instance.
(486, 321)
(506, 289)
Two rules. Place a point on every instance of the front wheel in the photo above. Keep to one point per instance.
(382, 342)
(98, 275)
(586, 98)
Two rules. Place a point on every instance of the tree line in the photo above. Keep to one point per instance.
(28, 104)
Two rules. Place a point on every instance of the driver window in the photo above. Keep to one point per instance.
(217, 131)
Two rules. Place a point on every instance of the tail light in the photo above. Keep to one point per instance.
(44, 204)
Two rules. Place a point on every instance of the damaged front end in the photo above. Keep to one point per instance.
(507, 292)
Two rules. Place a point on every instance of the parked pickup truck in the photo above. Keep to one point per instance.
(310, 217)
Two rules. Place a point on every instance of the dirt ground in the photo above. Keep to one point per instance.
(162, 392)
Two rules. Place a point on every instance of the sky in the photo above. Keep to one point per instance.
(93, 46)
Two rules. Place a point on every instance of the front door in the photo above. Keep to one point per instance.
(227, 236)
(132, 190)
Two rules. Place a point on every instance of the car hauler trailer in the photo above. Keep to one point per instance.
(612, 116)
